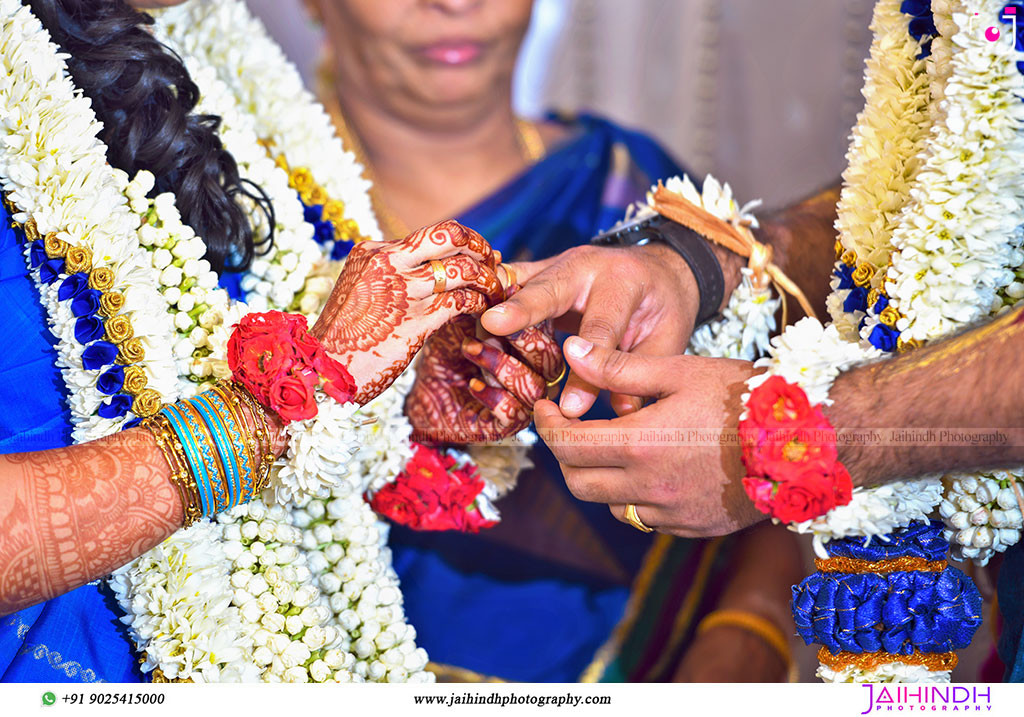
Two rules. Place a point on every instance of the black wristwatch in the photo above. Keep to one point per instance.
(695, 250)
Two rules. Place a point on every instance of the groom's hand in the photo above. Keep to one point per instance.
(677, 459)
(640, 299)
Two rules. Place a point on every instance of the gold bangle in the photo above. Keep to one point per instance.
(210, 455)
(264, 435)
(248, 429)
(762, 627)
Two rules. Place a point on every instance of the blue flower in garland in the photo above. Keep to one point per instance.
(72, 286)
(341, 248)
(98, 355)
(111, 381)
(881, 304)
(856, 300)
(86, 302)
(36, 254)
(312, 213)
(922, 24)
(844, 272)
(917, 540)
(884, 337)
(116, 407)
(88, 329)
(50, 270)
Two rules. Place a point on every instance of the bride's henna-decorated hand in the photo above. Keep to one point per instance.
(384, 307)
(469, 390)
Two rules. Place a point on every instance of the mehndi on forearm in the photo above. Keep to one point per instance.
(70, 515)
(952, 405)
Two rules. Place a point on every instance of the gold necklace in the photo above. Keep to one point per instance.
(528, 139)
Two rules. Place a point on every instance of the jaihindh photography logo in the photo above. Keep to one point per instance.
(927, 698)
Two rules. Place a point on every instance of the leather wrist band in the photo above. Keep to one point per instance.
(695, 250)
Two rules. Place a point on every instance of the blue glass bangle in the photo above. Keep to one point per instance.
(196, 463)
(222, 442)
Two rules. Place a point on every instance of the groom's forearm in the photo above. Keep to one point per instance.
(951, 406)
(802, 237)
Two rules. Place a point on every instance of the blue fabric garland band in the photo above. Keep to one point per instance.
(858, 608)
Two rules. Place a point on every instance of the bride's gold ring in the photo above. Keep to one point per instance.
(633, 519)
(510, 275)
(440, 276)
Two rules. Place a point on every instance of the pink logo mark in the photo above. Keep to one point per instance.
(992, 33)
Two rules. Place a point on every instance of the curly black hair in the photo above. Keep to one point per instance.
(143, 95)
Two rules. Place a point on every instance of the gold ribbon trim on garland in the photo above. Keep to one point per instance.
(934, 661)
(904, 564)
(737, 238)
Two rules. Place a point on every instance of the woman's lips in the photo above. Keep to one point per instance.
(452, 53)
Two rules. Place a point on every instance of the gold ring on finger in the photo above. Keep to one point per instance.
(440, 276)
(554, 383)
(633, 519)
(510, 275)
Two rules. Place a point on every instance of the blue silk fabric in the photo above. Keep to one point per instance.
(501, 603)
(520, 622)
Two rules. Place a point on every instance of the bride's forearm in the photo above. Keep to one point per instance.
(71, 515)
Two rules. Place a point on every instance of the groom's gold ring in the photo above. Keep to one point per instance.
(633, 519)
(440, 276)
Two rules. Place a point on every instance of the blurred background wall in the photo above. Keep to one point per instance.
(762, 93)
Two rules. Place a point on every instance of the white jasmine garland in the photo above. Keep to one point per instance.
(982, 513)
(177, 600)
(349, 559)
(883, 157)
(49, 151)
(224, 35)
(957, 244)
(276, 277)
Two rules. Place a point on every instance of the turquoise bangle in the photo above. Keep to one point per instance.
(195, 423)
(222, 441)
(192, 454)
(237, 434)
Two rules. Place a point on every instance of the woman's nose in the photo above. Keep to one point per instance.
(455, 7)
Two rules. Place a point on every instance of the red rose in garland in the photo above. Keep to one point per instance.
(800, 500)
(433, 493)
(273, 355)
(789, 450)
